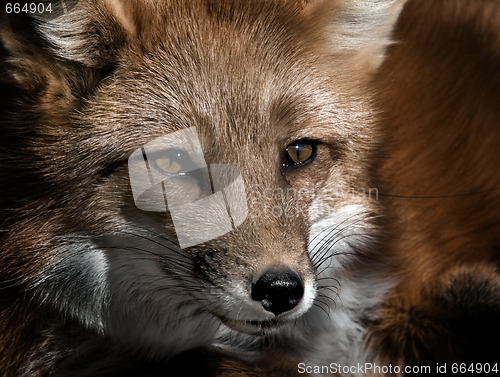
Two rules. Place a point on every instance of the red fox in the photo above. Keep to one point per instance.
(211, 188)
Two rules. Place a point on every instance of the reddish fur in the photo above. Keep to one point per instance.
(440, 89)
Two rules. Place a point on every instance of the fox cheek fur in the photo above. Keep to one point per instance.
(92, 86)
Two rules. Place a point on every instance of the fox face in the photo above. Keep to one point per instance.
(271, 89)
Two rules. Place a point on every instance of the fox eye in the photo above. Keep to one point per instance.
(173, 162)
(299, 153)
(168, 166)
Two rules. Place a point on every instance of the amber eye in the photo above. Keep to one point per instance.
(299, 153)
(168, 166)
(173, 162)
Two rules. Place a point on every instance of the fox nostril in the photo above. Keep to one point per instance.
(278, 291)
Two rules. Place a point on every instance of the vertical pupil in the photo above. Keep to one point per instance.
(297, 152)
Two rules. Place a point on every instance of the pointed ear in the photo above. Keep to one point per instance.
(93, 32)
(52, 60)
(61, 55)
(359, 30)
(29, 72)
(123, 12)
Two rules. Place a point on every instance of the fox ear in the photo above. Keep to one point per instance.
(40, 52)
(52, 59)
(357, 29)
(91, 32)
(123, 12)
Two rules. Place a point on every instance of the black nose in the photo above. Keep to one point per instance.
(278, 291)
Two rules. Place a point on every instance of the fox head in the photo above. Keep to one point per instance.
(280, 90)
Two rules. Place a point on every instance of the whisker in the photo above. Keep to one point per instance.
(138, 235)
(336, 241)
(325, 230)
(161, 257)
(329, 299)
(326, 245)
(334, 289)
(317, 304)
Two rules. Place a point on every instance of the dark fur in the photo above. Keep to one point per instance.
(440, 88)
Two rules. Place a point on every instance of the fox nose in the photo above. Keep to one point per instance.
(278, 291)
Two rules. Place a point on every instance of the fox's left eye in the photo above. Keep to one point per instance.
(173, 162)
(168, 165)
(299, 153)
